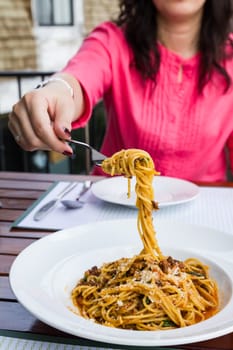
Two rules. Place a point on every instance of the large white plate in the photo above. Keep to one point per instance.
(43, 275)
(167, 190)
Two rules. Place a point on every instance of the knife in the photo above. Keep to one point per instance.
(48, 207)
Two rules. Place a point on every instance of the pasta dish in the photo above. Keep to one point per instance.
(148, 291)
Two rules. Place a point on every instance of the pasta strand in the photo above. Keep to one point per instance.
(147, 291)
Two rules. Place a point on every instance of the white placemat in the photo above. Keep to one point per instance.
(213, 208)
(8, 343)
(60, 218)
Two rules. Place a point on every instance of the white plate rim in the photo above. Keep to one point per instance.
(111, 189)
(98, 335)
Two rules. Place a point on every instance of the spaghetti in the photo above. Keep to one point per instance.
(148, 291)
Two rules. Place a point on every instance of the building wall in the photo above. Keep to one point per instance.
(17, 42)
(55, 45)
(98, 11)
(25, 45)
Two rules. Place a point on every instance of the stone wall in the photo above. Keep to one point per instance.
(97, 11)
(17, 43)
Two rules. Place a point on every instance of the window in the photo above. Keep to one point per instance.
(55, 12)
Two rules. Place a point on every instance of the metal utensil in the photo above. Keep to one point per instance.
(95, 156)
(75, 204)
(48, 207)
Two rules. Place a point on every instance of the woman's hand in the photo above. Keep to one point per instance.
(43, 117)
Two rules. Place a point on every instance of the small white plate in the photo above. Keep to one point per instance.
(167, 190)
(43, 275)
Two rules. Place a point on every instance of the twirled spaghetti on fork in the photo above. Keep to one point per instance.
(147, 291)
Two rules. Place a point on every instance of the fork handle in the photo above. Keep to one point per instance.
(82, 192)
(66, 190)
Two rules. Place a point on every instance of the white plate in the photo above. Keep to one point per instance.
(167, 190)
(43, 275)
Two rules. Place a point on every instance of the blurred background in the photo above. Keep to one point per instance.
(37, 37)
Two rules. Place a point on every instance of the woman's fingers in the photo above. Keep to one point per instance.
(24, 134)
(45, 116)
(15, 130)
(21, 126)
(32, 123)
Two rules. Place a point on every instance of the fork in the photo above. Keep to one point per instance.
(95, 156)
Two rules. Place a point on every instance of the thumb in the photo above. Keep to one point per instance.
(64, 115)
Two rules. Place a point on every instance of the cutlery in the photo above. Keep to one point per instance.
(48, 207)
(75, 204)
(95, 156)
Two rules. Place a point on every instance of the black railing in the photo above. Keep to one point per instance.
(12, 78)
(20, 75)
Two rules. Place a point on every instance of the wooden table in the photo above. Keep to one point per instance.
(17, 192)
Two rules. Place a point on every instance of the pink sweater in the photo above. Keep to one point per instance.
(184, 133)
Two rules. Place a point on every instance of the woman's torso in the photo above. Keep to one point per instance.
(185, 133)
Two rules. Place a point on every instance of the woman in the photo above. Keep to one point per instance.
(164, 71)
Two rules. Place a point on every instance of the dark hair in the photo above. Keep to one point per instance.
(138, 18)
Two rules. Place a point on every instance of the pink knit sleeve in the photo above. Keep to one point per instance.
(91, 66)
